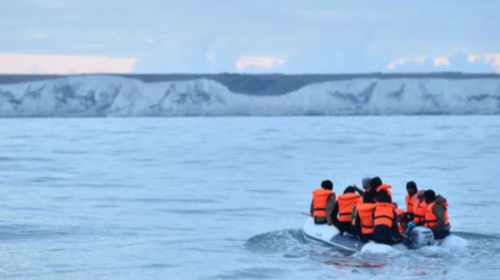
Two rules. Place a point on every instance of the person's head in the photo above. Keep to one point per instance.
(420, 195)
(366, 183)
(350, 189)
(382, 197)
(368, 197)
(430, 196)
(395, 204)
(327, 185)
(375, 183)
(411, 188)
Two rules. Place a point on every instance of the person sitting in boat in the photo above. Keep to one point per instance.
(436, 214)
(402, 220)
(419, 206)
(385, 220)
(365, 184)
(375, 182)
(377, 185)
(323, 202)
(364, 217)
(419, 209)
(411, 197)
(366, 188)
(385, 187)
(341, 215)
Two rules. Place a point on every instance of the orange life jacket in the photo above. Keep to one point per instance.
(320, 198)
(419, 212)
(386, 188)
(365, 212)
(346, 204)
(410, 201)
(383, 214)
(399, 211)
(431, 219)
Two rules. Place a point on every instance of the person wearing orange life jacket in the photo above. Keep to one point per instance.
(364, 217)
(386, 188)
(385, 220)
(411, 189)
(366, 188)
(377, 185)
(375, 182)
(322, 203)
(436, 214)
(419, 209)
(341, 215)
(419, 206)
(402, 220)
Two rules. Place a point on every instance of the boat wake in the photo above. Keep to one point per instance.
(289, 243)
(461, 250)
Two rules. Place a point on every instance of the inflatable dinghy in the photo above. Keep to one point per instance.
(330, 235)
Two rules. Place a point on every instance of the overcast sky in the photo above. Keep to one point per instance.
(249, 36)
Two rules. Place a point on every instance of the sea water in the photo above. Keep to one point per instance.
(221, 198)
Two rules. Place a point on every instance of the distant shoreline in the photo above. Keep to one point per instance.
(257, 84)
(250, 95)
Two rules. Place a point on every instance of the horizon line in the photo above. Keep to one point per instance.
(258, 74)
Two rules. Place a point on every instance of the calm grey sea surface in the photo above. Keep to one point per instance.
(221, 198)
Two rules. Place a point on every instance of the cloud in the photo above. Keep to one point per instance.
(491, 59)
(399, 62)
(263, 62)
(437, 61)
(64, 64)
(327, 37)
(441, 61)
(456, 62)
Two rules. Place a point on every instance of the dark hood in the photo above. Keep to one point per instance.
(440, 199)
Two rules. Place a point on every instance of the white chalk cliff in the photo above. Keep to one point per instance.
(122, 96)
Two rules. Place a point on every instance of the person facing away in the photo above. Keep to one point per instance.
(375, 182)
(364, 217)
(402, 218)
(419, 209)
(385, 187)
(411, 197)
(419, 206)
(323, 201)
(385, 220)
(341, 215)
(376, 185)
(436, 214)
(365, 183)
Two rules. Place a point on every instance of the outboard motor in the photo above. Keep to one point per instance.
(420, 237)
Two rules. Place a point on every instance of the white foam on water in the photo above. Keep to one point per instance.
(374, 248)
(454, 242)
